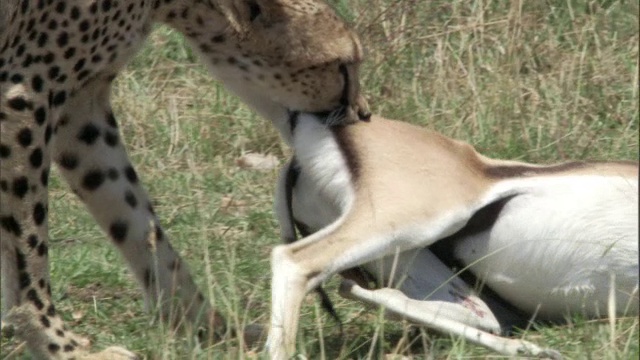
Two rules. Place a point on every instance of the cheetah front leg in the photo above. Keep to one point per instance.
(26, 131)
(91, 157)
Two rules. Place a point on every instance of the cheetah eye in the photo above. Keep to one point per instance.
(254, 10)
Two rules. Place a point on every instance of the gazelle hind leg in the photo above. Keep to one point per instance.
(288, 288)
(299, 267)
(425, 281)
(429, 314)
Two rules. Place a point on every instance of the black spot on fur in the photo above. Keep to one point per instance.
(92, 179)
(43, 249)
(130, 198)
(68, 161)
(118, 231)
(45, 321)
(68, 348)
(53, 348)
(21, 260)
(60, 7)
(39, 213)
(40, 115)
(36, 158)
(59, 98)
(84, 25)
(111, 120)
(53, 73)
(63, 39)
(69, 53)
(131, 175)
(48, 132)
(32, 241)
(42, 39)
(20, 186)
(51, 310)
(89, 133)
(37, 83)
(24, 280)
(79, 65)
(5, 151)
(75, 13)
(16, 78)
(106, 5)
(48, 58)
(111, 138)
(32, 296)
(24, 137)
(44, 177)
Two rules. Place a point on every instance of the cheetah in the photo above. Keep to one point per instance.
(58, 59)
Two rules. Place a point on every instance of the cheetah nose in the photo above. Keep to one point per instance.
(364, 116)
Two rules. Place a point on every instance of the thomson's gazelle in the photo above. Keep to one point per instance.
(548, 240)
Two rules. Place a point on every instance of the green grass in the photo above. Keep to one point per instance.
(541, 81)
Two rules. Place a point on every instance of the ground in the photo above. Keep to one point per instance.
(544, 82)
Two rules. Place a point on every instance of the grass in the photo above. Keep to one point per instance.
(539, 81)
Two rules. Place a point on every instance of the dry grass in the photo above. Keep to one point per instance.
(533, 80)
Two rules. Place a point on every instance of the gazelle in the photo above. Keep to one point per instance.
(548, 240)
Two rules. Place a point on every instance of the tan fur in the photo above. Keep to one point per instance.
(454, 176)
(371, 191)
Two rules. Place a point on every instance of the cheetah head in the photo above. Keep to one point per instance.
(281, 55)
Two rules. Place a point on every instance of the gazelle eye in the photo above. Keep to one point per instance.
(254, 10)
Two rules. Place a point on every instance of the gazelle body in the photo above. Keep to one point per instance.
(549, 240)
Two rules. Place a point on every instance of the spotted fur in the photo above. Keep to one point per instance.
(57, 62)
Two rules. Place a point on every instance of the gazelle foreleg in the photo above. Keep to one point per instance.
(299, 267)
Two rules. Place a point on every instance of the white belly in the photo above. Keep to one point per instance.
(557, 247)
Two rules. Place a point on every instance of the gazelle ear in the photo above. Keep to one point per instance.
(237, 14)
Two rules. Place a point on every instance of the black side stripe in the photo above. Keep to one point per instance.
(293, 172)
